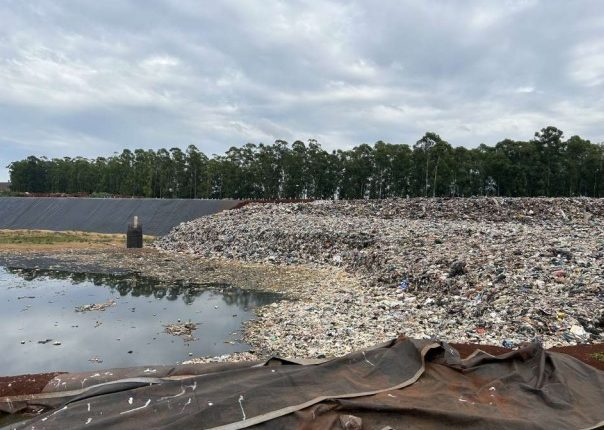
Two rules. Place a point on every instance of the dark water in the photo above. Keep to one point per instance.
(36, 306)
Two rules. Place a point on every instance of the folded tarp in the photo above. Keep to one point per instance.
(406, 384)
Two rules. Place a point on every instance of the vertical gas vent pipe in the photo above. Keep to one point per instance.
(134, 236)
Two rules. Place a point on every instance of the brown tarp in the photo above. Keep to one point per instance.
(405, 384)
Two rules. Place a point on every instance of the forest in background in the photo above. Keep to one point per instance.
(547, 165)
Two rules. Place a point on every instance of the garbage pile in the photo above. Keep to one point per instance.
(181, 329)
(484, 270)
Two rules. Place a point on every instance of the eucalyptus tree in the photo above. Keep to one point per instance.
(83, 177)
(268, 171)
(545, 165)
(463, 166)
(383, 160)
(595, 170)
(197, 167)
(401, 170)
(59, 172)
(357, 169)
(295, 171)
(165, 174)
(30, 174)
(422, 154)
(551, 147)
(430, 149)
(323, 169)
(143, 173)
(181, 182)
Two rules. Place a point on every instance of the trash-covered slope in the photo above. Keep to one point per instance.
(487, 270)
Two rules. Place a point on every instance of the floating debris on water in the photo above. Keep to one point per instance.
(81, 337)
(183, 329)
(95, 306)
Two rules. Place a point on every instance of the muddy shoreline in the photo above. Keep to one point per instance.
(291, 283)
(165, 267)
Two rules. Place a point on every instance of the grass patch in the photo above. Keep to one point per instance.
(44, 237)
(49, 238)
(598, 356)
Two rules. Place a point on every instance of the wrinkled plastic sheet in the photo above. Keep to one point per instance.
(158, 216)
(406, 384)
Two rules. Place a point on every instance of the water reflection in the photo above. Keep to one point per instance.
(40, 304)
(140, 286)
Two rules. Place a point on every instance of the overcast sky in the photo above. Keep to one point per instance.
(88, 77)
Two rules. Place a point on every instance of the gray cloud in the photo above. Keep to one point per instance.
(90, 78)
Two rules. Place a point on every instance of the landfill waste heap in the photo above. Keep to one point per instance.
(484, 270)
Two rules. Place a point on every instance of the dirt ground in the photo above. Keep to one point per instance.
(47, 240)
(34, 384)
(24, 384)
(580, 352)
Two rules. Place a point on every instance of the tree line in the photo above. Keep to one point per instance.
(547, 165)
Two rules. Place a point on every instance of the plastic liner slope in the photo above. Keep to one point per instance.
(404, 384)
(103, 215)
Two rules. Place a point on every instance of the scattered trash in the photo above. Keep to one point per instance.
(237, 356)
(185, 330)
(506, 261)
(507, 344)
(512, 249)
(577, 330)
(351, 422)
(457, 268)
(562, 253)
(95, 306)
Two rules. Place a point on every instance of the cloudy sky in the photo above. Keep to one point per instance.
(87, 77)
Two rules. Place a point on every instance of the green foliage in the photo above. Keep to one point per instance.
(547, 165)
